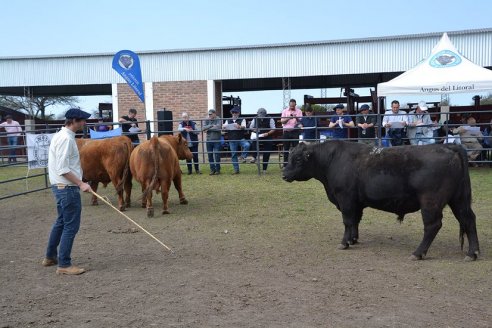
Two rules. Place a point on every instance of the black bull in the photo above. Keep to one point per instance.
(399, 180)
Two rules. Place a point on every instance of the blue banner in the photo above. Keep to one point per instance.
(105, 134)
(127, 64)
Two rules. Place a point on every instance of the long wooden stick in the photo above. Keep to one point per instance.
(129, 219)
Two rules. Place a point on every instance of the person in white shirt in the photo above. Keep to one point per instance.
(394, 121)
(65, 174)
(13, 130)
(420, 127)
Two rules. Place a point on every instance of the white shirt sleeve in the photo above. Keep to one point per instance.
(62, 157)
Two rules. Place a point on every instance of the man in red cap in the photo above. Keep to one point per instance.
(65, 175)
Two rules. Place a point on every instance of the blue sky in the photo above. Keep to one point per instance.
(63, 27)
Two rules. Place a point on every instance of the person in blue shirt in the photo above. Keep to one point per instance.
(340, 123)
(309, 125)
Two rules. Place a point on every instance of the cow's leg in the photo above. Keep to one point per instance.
(128, 192)
(432, 217)
(466, 217)
(121, 205)
(94, 188)
(144, 200)
(165, 185)
(150, 208)
(179, 188)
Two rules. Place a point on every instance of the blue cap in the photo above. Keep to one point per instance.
(339, 106)
(77, 113)
(364, 107)
(235, 109)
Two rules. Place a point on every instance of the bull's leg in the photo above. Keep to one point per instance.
(466, 217)
(179, 188)
(165, 185)
(94, 188)
(432, 218)
(351, 219)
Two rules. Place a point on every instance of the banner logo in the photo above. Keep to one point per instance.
(444, 59)
(38, 146)
(127, 64)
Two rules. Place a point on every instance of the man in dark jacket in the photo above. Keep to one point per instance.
(190, 132)
(366, 126)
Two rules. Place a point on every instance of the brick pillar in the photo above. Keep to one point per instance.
(128, 99)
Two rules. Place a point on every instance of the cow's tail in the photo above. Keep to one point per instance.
(126, 171)
(466, 194)
(154, 144)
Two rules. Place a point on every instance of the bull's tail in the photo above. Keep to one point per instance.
(466, 195)
(126, 171)
(154, 144)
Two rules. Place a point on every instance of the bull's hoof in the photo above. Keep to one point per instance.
(414, 257)
(121, 208)
(150, 212)
(183, 201)
(353, 242)
(469, 258)
(95, 203)
(128, 205)
(165, 212)
(343, 246)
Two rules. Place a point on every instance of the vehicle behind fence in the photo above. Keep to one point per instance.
(445, 127)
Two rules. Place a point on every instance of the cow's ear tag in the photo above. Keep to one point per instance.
(307, 155)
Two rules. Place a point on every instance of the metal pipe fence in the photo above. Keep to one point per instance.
(445, 127)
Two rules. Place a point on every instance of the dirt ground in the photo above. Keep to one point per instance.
(242, 259)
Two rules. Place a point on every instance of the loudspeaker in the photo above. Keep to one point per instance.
(164, 122)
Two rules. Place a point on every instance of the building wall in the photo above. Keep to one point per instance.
(178, 97)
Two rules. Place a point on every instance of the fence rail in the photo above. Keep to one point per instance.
(443, 125)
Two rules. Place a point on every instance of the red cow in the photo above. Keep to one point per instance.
(107, 160)
(155, 164)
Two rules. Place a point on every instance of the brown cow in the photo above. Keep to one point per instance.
(155, 164)
(107, 160)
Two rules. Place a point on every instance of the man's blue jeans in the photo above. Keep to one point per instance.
(12, 145)
(213, 150)
(234, 147)
(66, 226)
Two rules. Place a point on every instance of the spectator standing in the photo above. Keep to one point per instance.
(309, 125)
(366, 126)
(264, 128)
(395, 121)
(100, 126)
(420, 127)
(189, 131)
(290, 118)
(487, 136)
(340, 123)
(129, 126)
(213, 125)
(13, 130)
(65, 174)
(236, 128)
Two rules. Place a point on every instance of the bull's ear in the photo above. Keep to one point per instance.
(180, 137)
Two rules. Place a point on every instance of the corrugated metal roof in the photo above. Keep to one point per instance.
(353, 56)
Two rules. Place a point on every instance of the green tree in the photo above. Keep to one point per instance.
(36, 106)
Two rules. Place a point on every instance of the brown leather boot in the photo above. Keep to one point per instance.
(71, 270)
(49, 262)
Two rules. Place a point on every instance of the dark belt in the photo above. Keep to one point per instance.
(61, 186)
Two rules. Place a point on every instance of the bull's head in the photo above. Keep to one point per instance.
(300, 165)
(183, 151)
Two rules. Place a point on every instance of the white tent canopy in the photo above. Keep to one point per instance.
(444, 71)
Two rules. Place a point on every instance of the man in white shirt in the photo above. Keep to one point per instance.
(65, 175)
(395, 121)
(13, 130)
